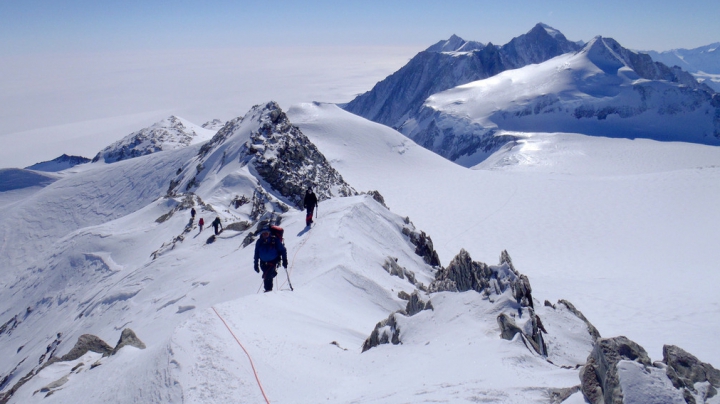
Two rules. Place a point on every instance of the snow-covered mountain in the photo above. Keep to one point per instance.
(106, 278)
(215, 124)
(455, 44)
(602, 90)
(703, 62)
(61, 163)
(448, 64)
(168, 134)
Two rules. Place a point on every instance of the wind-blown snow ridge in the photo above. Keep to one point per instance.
(58, 164)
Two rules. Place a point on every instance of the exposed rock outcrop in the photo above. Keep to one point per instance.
(87, 343)
(532, 335)
(128, 337)
(685, 371)
(388, 331)
(599, 377)
(278, 154)
(464, 274)
(393, 268)
(423, 245)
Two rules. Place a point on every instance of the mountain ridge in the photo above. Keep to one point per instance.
(402, 93)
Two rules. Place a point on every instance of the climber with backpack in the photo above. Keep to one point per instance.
(309, 203)
(269, 250)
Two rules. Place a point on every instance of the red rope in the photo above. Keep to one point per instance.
(246, 353)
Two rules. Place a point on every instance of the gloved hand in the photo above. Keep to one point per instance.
(257, 269)
(285, 264)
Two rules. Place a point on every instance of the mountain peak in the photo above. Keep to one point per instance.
(279, 153)
(550, 30)
(172, 132)
(455, 44)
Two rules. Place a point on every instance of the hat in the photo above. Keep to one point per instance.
(265, 229)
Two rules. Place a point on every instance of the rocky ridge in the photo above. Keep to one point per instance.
(616, 370)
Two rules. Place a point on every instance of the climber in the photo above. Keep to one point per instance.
(215, 225)
(268, 252)
(309, 203)
(201, 223)
(192, 214)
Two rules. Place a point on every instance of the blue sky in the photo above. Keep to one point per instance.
(77, 75)
(39, 26)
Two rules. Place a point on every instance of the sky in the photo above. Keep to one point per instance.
(77, 75)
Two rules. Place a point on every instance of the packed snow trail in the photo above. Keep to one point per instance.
(257, 378)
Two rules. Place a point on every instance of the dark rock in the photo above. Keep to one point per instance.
(416, 305)
(377, 197)
(589, 382)
(603, 361)
(559, 395)
(392, 267)
(128, 337)
(423, 246)
(684, 370)
(385, 332)
(464, 274)
(508, 328)
(296, 164)
(85, 343)
(238, 226)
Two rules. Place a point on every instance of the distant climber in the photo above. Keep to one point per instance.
(192, 213)
(269, 250)
(201, 223)
(215, 224)
(309, 203)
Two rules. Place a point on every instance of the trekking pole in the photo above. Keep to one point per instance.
(317, 210)
(288, 277)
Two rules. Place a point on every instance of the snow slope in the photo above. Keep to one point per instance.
(126, 255)
(622, 228)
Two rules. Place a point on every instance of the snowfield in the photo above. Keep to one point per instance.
(623, 229)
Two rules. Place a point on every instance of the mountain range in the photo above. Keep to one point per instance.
(404, 289)
(703, 62)
(467, 107)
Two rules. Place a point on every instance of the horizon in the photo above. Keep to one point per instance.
(77, 76)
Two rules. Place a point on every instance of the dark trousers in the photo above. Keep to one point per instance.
(215, 226)
(308, 218)
(269, 270)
